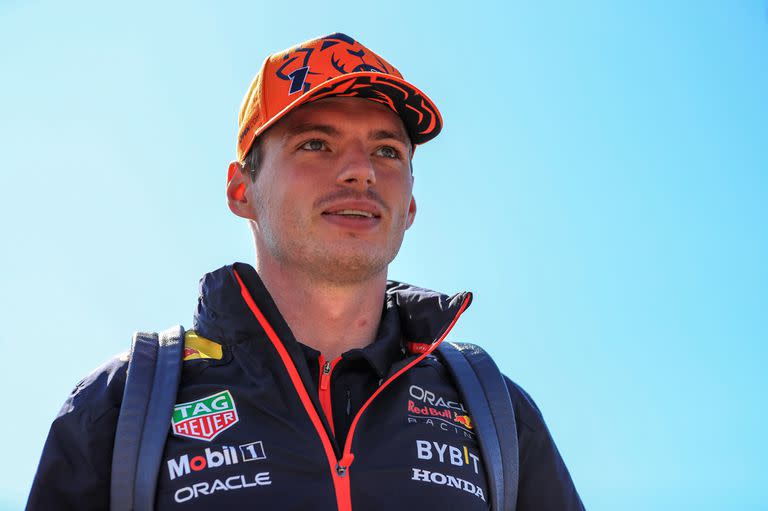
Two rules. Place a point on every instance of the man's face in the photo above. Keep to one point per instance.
(332, 197)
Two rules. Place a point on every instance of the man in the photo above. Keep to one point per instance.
(306, 380)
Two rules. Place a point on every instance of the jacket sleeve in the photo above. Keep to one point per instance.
(545, 483)
(75, 466)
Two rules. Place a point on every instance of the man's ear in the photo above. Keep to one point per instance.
(236, 199)
(411, 213)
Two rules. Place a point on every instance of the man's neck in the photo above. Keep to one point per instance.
(328, 317)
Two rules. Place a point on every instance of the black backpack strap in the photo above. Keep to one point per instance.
(130, 424)
(484, 391)
(145, 415)
(159, 412)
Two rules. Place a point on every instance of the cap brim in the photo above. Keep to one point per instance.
(420, 116)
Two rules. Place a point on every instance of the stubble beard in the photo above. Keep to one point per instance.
(345, 262)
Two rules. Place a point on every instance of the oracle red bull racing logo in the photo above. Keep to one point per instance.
(205, 418)
(428, 408)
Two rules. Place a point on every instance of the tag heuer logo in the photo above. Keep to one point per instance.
(205, 418)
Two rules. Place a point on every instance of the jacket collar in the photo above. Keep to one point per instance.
(411, 314)
(380, 354)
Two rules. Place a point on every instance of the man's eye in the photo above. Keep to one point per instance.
(388, 152)
(313, 145)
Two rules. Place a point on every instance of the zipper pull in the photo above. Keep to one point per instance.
(349, 402)
(325, 377)
(343, 465)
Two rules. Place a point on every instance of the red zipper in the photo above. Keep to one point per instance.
(350, 434)
(339, 468)
(324, 388)
(338, 471)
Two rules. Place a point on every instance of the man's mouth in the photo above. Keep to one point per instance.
(352, 213)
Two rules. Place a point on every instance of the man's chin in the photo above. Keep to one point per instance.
(350, 268)
(338, 262)
(342, 264)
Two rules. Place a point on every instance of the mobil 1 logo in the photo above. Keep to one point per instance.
(213, 458)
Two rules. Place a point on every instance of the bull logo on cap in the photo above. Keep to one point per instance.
(346, 56)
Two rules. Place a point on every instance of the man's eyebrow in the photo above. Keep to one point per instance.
(300, 129)
(378, 134)
(387, 134)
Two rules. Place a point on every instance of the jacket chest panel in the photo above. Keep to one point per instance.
(237, 440)
(416, 445)
(261, 449)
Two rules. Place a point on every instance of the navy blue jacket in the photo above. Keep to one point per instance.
(263, 421)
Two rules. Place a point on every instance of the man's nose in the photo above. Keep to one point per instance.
(357, 169)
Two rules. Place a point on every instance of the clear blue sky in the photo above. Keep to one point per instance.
(600, 184)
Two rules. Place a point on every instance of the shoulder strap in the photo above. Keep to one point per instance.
(483, 389)
(142, 428)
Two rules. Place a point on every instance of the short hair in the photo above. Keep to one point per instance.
(252, 160)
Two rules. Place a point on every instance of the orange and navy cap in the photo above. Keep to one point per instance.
(333, 65)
